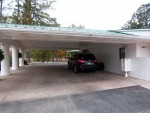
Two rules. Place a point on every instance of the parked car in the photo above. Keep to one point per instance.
(82, 61)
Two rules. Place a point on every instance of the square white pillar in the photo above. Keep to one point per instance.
(5, 69)
(24, 54)
(15, 60)
(21, 60)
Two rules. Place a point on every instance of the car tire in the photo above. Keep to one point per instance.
(76, 70)
(101, 66)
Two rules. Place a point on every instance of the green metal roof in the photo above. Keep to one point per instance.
(72, 30)
(71, 51)
(133, 30)
(138, 32)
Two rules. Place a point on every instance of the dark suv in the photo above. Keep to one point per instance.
(82, 61)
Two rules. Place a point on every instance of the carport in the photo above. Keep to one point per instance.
(104, 44)
(51, 87)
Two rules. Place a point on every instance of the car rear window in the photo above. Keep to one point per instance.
(87, 57)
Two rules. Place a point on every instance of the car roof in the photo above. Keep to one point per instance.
(85, 53)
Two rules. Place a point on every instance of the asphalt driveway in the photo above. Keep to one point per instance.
(133, 99)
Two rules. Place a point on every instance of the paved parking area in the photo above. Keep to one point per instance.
(51, 80)
(134, 99)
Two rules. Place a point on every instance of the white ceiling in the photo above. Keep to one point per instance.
(40, 39)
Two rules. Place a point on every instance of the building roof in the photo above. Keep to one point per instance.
(44, 37)
(135, 32)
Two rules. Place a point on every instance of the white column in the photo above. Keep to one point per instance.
(21, 60)
(5, 69)
(15, 60)
(25, 55)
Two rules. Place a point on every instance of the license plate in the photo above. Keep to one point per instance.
(89, 63)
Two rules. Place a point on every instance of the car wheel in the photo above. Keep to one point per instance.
(76, 70)
(101, 66)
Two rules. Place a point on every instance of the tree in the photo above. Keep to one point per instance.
(74, 26)
(5, 7)
(41, 55)
(48, 55)
(31, 12)
(140, 19)
(1, 6)
(61, 54)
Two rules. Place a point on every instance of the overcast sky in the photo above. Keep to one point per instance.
(96, 14)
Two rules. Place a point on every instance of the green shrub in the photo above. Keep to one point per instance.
(19, 55)
(1, 55)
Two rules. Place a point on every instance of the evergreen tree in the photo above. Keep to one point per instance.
(74, 26)
(32, 12)
(140, 19)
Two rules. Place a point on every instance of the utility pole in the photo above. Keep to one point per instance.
(1, 8)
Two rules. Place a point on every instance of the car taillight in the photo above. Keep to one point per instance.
(95, 61)
(81, 61)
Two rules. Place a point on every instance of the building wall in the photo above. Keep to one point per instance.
(140, 62)
(109, 55)
(143, 50)
(130, 51)
(140, 68)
